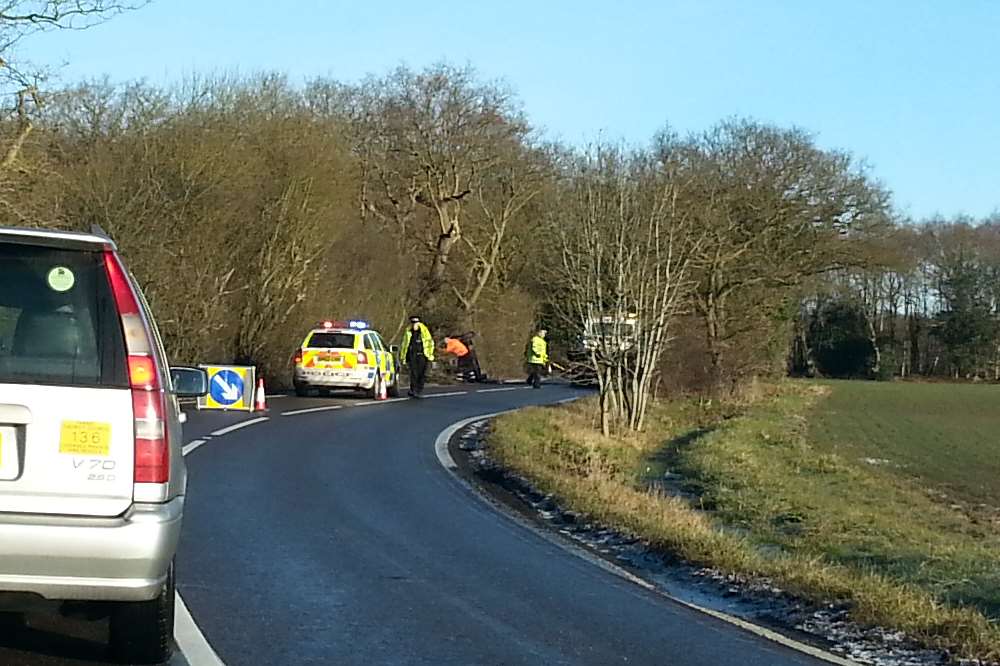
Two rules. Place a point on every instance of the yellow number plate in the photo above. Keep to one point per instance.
(85, 438)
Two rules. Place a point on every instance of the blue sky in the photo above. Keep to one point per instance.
(912, 86)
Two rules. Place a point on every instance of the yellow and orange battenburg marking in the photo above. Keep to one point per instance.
(85, 438)
(313, 358)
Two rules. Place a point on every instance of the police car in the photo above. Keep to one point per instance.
(345, 355)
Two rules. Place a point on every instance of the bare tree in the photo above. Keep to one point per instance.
(427, 142)
(776, 210)
(501, 194)
(626, 246)
(19, 19)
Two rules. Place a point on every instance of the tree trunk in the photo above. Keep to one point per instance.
(873, 338)
(714, 334)
(442, 252)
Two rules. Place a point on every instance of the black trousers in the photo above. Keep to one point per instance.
(535, 372)
(468, 366)
(418, 373)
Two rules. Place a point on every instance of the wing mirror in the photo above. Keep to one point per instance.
(189, 382)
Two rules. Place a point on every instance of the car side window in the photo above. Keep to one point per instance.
(369, 345)
(377, 341)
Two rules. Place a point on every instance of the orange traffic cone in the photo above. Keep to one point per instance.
(382, 394)
(260, 404)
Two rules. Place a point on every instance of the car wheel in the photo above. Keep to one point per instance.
(142, 631)
(301, 391)
(394, 387)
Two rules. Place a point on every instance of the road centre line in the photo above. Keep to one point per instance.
(327, 408)
(445, 395)
(192, 445)
(237, 426)
(448, 463)
(365, 403)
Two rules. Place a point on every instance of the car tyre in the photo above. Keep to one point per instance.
(301, 391)
(141, 632)
(393, 390)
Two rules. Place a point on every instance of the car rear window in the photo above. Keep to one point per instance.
(331, 341)
(58, 321)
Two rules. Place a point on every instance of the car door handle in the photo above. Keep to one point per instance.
(15, 414)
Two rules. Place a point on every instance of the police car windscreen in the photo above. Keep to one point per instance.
(331, 341)
(58, 320)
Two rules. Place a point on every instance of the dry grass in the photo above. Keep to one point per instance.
(758, 471)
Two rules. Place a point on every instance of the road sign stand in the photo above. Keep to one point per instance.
(231, 388)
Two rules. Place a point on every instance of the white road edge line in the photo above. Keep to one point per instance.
(446, 460)
(327, 408)
(190, 641)
(241, 424)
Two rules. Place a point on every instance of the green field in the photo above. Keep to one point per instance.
(888, 478)
(945, 434)
(884, 495)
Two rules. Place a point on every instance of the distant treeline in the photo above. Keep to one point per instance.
(924, 301)
(251, 208)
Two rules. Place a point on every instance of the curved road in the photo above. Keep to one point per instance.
(336, 537)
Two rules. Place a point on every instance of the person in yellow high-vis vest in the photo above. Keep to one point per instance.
(538, 357)
(417, 354)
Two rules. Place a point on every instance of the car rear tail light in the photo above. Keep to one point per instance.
(152, 444)
(152, 453)
(297, 357)
(362, 358)
(142, 372)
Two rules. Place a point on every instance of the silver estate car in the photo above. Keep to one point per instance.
(92, 477)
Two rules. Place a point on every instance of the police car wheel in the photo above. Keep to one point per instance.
(301, 391)
(393, 389)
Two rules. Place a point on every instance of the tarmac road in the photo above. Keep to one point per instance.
(329, 533)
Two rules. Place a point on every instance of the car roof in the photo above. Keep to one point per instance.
(55, 238)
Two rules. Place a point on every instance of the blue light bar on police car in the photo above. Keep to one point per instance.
(357, 323)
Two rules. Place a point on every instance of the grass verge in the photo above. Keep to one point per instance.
(821, 525)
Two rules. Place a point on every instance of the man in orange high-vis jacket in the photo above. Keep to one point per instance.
(455, 347)
(467, 365)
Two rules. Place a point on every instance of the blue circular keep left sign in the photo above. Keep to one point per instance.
(226, 387)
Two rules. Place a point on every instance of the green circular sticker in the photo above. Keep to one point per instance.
(61, 279)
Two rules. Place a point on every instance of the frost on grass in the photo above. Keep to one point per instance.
(756, 600)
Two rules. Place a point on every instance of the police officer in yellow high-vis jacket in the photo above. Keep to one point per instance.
(538, 357)
(416, 354)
